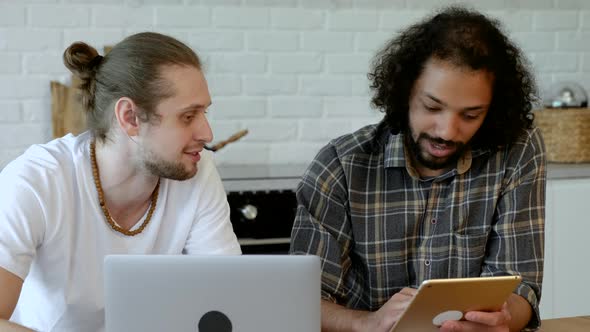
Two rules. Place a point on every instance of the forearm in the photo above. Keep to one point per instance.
(6, 326)
(520, 312)
(338, 318)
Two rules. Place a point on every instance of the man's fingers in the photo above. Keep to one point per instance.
(489, 318)
(466, 326)
(408, 291)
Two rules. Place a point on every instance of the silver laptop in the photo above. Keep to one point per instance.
(250, 293)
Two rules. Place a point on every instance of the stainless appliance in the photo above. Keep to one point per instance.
(262, 204)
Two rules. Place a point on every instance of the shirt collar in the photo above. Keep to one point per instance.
(396, 155)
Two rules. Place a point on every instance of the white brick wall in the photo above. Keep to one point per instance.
(12, 16)
(296, 63)
(353, 20)
(224, 85)
(323, 130)
(243, 63)
(298, 19)
(552, 21)
(272, 130)
(321, 41)
(301, 107)
(291, 71)
(270, 85)
(10, 112)
(348, 64)
(272, 41)
(236, 108)
(10, 63)
(25, 38)
(241, 17)
(113, 16)
(52, 16)
(205, 41)
(182, 17)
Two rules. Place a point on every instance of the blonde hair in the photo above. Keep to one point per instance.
(131, 69)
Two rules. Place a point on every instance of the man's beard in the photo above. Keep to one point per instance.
(174, 170)
(426, 159)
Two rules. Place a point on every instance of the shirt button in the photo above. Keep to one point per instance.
(433, 221)
(427, 262)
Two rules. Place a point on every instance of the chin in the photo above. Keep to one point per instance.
(194, 171)
(191, 171)
(432, 162)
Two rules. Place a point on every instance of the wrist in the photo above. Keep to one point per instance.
(363, 320)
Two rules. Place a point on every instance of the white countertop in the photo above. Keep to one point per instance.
(557, 171)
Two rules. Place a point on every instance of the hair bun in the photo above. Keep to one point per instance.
(94, 63)
(82, 59)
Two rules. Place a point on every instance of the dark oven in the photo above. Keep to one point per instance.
(262, 204)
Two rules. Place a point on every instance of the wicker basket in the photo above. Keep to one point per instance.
(566, 133)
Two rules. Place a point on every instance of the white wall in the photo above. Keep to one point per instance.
(565, 289)
(291, 71)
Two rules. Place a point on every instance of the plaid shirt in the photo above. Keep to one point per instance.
(379, 227)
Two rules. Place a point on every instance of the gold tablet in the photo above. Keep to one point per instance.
(438, 300)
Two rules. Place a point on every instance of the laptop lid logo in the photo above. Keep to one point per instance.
(214, 321)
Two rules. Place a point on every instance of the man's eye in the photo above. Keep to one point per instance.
(432, 108)
(188, 118)
(471, 116)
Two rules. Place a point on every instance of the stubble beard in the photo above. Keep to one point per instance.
(173, 170)
(422, 157)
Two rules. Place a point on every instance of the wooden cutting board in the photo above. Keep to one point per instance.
(67, 114)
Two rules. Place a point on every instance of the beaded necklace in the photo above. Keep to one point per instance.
(103, 205)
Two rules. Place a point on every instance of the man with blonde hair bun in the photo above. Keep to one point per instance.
(137, 182)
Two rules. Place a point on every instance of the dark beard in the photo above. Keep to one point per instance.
(427, 160)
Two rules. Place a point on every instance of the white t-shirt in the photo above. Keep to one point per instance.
(53, 233)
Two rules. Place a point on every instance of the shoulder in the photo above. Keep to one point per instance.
(361, 142)
(523, 159)
(338, 157)
(530, 140)
(35, 187)
(52, 161)
(528, 146)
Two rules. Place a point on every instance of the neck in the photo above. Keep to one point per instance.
(426, 172)
(127, 188)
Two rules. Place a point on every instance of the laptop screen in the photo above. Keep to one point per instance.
(212, 293)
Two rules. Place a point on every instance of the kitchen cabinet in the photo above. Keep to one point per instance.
(567, 236)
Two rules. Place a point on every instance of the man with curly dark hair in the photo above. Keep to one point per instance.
(450, 184)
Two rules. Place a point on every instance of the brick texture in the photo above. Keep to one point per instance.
(291, 71)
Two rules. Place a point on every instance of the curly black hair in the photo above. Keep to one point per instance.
(465, 38)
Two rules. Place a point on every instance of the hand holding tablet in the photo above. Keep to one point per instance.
(438, 300)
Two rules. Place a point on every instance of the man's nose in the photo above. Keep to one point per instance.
(448, 127)
(202, 131)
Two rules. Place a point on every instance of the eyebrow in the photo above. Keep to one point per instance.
(470, 108)
(195, 106)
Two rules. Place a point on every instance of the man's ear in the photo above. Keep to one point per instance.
(126, 114)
